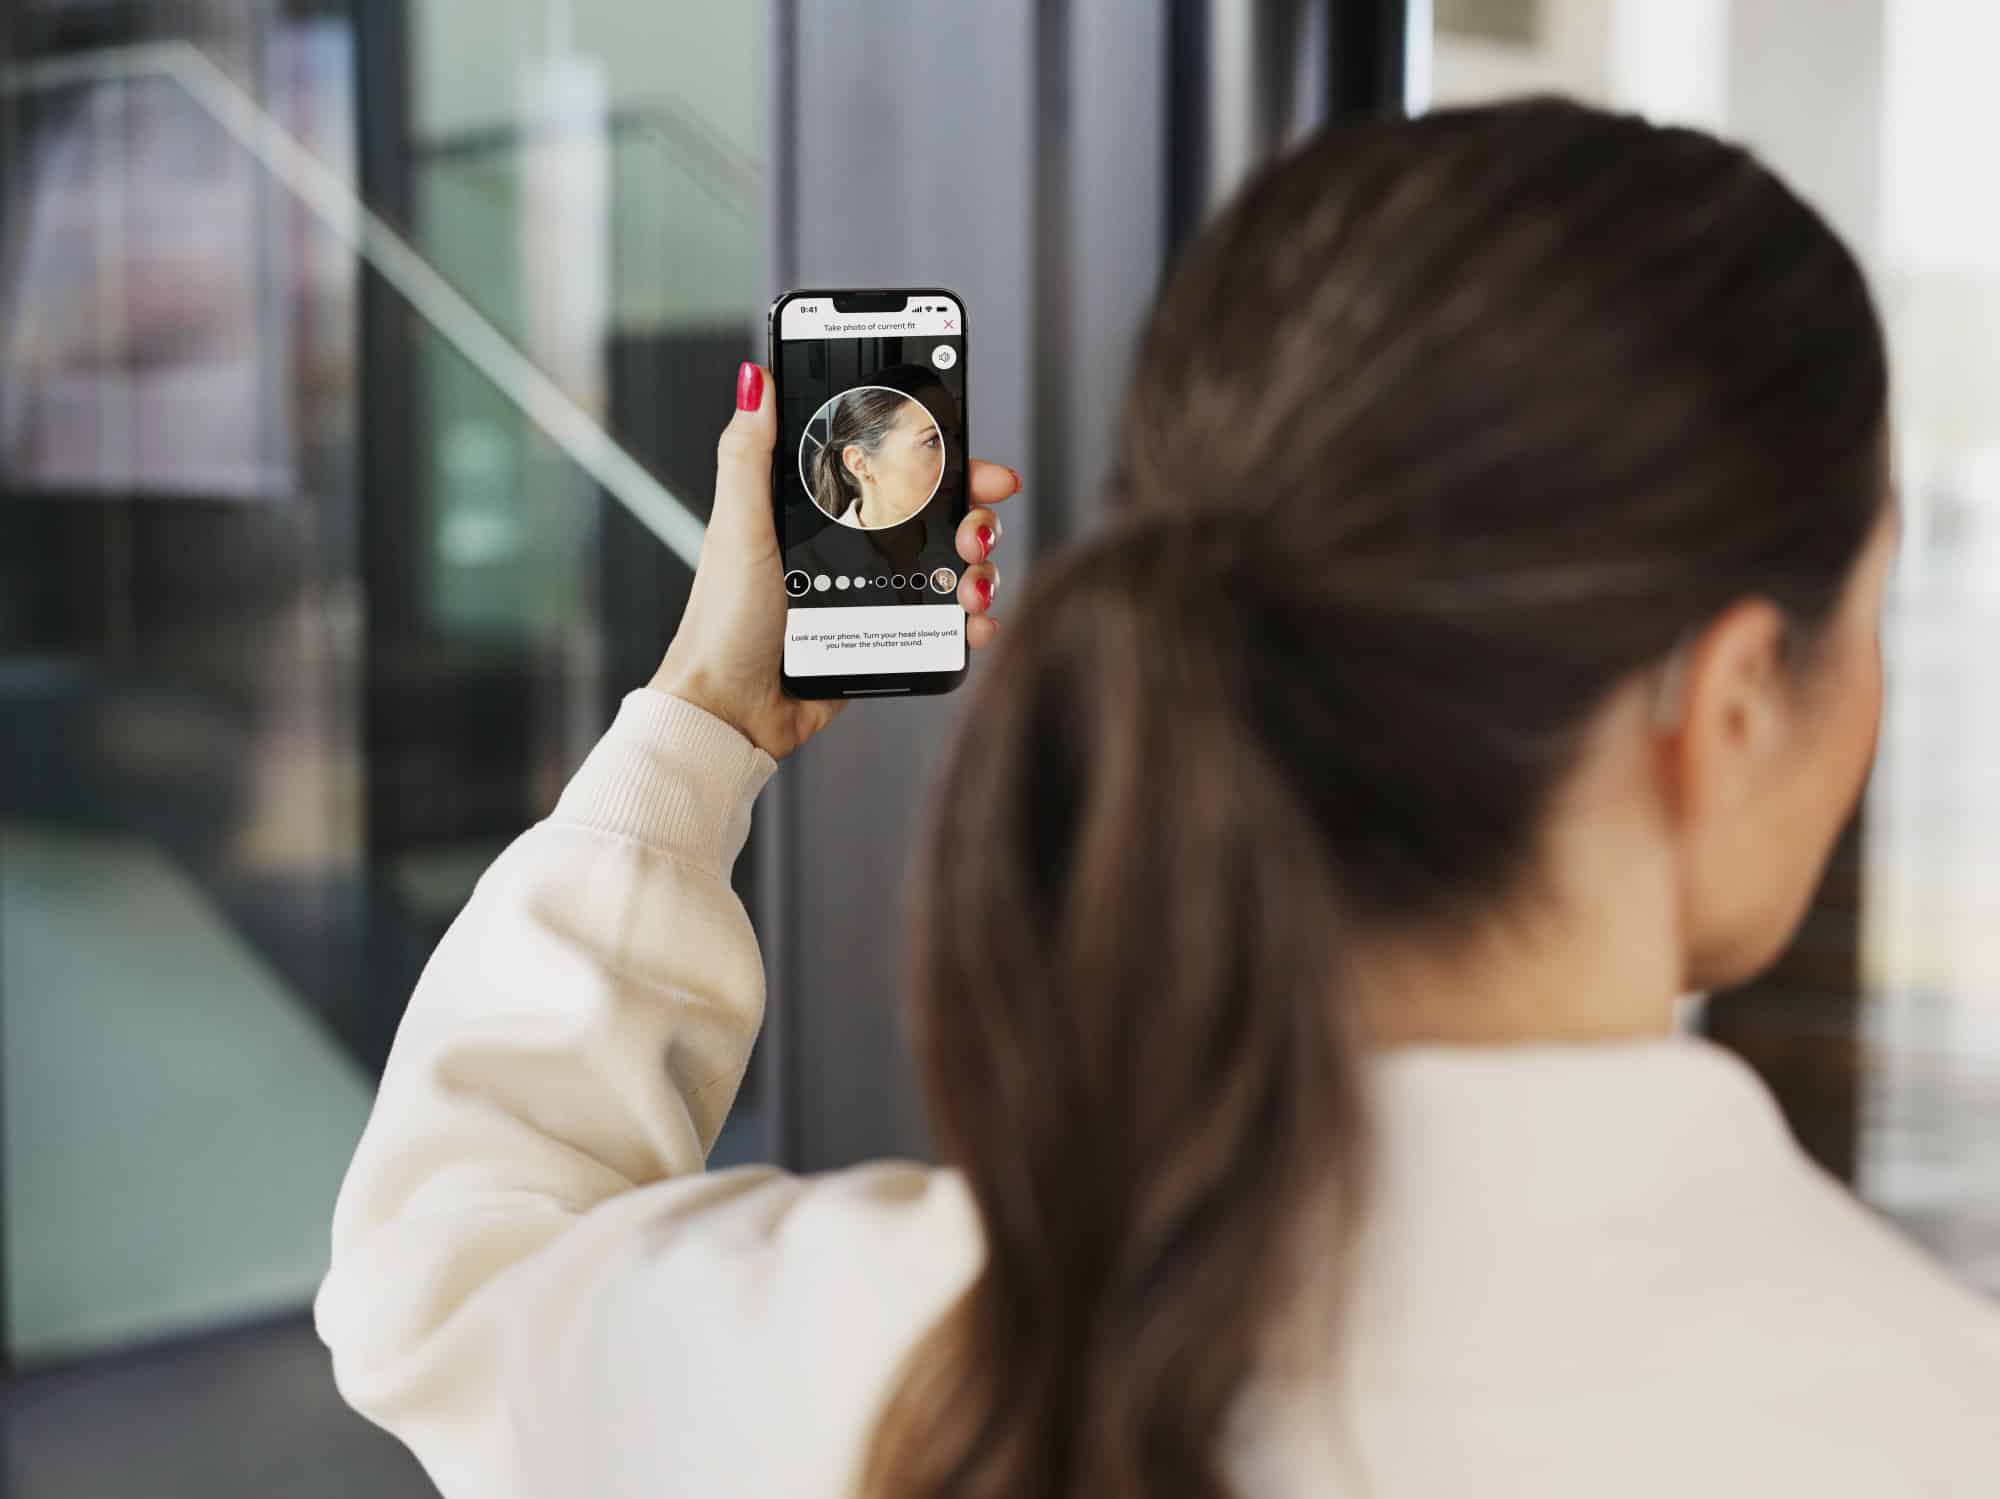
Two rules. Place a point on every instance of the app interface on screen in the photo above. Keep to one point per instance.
(871, 478)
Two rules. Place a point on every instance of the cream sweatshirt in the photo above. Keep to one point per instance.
(1590, 1271)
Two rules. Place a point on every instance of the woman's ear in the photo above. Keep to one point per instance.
(855, 460)
(1733, 718)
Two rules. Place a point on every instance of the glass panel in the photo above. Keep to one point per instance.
(1881, 1028)
(670, 266)
(594, 194)
(182, 858)
(303, 615)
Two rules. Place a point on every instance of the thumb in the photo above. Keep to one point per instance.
(743, 458)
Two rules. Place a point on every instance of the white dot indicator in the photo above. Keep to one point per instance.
(822, 582)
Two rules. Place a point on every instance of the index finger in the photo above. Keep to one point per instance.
(993, 482)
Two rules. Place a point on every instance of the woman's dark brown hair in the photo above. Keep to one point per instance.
(1439, 434)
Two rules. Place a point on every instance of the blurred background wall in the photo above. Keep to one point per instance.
(360, 366)
(1880, 1028)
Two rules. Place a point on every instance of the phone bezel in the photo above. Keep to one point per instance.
(859, 299)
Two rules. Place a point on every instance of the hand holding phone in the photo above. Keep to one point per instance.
(727, 656)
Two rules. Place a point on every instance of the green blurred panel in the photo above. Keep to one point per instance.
(508, 512)
(1515, 21)
(683, 235)
(509, 520)
(177, 1121)
(467, 213)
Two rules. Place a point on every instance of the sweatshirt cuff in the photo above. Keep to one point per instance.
(670, 776)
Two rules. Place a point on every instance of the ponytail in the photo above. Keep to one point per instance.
(832, 486)
(1126, 945)
(1441, 433)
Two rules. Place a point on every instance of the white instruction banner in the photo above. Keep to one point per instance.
(840, 642)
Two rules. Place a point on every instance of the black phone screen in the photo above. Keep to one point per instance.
(870, 486)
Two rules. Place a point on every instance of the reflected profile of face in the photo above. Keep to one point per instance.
(872, 457)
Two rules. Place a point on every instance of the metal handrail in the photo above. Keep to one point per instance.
(434, 299)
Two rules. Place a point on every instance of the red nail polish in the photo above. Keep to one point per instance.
(749, 387)
(984, 588)
(986, 540)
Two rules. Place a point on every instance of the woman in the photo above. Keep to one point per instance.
(1484, 654)
(881, 460)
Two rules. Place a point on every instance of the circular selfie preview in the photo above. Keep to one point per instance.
(872, 457)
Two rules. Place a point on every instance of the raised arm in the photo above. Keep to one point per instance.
(533, 1282)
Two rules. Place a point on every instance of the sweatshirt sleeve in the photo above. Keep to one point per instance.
(533, 1283)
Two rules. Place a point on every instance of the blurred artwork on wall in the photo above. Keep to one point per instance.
(153, 286)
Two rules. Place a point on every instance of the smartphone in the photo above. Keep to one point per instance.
(869, 484)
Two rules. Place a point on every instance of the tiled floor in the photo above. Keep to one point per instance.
(248, 1414)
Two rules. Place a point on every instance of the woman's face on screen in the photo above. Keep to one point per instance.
(899, 477)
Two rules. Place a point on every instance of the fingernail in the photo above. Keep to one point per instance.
(987, 536)
(749, 387)
(1017, 479)
(984, 588)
